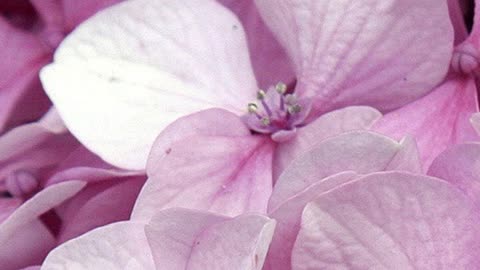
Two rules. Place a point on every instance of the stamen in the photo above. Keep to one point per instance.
(279, 115)
(261, 94)
(294, 109)
(281, 88)
(266, 121)
(252, 107)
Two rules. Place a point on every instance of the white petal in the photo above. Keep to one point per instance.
(132, 69)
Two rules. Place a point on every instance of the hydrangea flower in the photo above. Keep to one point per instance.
(128, 72)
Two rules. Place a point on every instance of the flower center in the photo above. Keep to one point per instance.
(277, 112)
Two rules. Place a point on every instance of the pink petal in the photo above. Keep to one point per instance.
(225, 175)
(40, 203)
(121, 245)
(75, 12)
(176, 64)
(52, 21)
(458, 21)
(30, 244)
(460, 166)
(21, 94)
(382, 56)
(8, 206)
(22, 227)
(83, 164)
(183, 239)
(361, 152)
(211, 122)
(288, 217)
(269, 60)
(389, 221)
(329, 124)
(107, 206)
(35, 147)
(436, 121)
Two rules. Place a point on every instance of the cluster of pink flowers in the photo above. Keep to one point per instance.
(239, 134)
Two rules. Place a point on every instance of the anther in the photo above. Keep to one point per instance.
(281, 88)
(261, 94)
(252, 107)
(293, 109)
(265, 121)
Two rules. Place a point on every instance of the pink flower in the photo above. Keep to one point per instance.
(126, 74)
(172, 239)
(356, 218)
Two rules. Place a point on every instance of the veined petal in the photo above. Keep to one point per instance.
(328, 125)
(225, 175)
(132, 69)
(385, 54)
(121, 245)
(114, 203)
(288, 216)
(184, 239)
(436, 121)
(389, 221)
(269, 60)
(359, 151)
(211, 122)
(460, 165)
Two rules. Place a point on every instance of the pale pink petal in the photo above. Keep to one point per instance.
(161, 59)
(184, 239)
(83, 164)
(22, 227)
(121, 245)
(269, 60)
(8, 206)
(359, 151)
(329, 124)
(21, 93)
(460, 165)
(211, 122)
(36, 146)
(52, 20)
(458, 21)
(108, 206)
(29, 245)
(389, 221)
(288, 217)
(437, 120)
(386, 54)
(226, 175)
(43, 201)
